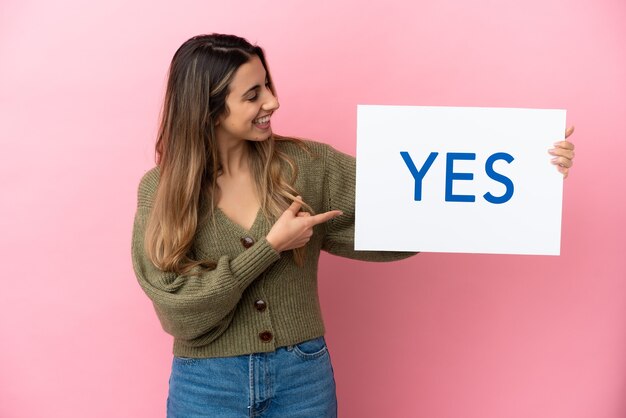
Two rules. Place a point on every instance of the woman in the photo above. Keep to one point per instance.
(227, 236)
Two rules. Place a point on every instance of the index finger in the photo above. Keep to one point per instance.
(323, 217)
(565, 145)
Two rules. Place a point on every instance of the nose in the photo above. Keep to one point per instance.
(271, 103)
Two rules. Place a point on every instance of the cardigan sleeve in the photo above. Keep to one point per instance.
(339, 193)
(199, 305)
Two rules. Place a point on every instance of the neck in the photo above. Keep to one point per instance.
(233, 157)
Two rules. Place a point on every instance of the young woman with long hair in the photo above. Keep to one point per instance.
(227, 235)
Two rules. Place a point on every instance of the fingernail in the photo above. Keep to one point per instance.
(551, 150)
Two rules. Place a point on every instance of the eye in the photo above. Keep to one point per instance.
(253, 98)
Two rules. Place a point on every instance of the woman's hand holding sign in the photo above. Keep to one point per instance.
(563, 152)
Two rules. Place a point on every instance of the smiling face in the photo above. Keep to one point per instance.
(250, 104)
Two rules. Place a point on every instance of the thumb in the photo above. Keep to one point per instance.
(295, 207)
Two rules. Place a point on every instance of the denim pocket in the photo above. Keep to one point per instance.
(311, 349)
(185, 360)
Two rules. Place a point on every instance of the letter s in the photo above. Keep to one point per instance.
(510, 188)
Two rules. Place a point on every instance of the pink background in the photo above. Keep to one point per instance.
(439, 335)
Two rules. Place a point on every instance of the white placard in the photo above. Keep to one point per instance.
(490, 187)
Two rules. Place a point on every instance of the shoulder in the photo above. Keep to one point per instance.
(298, 147)
(148, 186)
(309, 150)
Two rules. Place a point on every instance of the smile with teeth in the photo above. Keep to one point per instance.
(262, 120)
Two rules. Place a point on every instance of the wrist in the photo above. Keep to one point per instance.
(272, 242)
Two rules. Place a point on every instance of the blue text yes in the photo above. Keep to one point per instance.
(451, 175)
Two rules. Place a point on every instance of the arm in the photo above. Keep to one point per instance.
(199, 305)
(339, 193)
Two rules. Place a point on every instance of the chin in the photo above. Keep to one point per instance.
(260, 138)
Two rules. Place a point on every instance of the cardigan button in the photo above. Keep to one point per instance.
(266, 336)
(260, 305)
(247, 242)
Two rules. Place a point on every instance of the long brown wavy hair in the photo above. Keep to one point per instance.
(187, 155)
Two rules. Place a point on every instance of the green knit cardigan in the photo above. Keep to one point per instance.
(256, 299)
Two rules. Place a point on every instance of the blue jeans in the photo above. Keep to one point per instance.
(295, 381)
